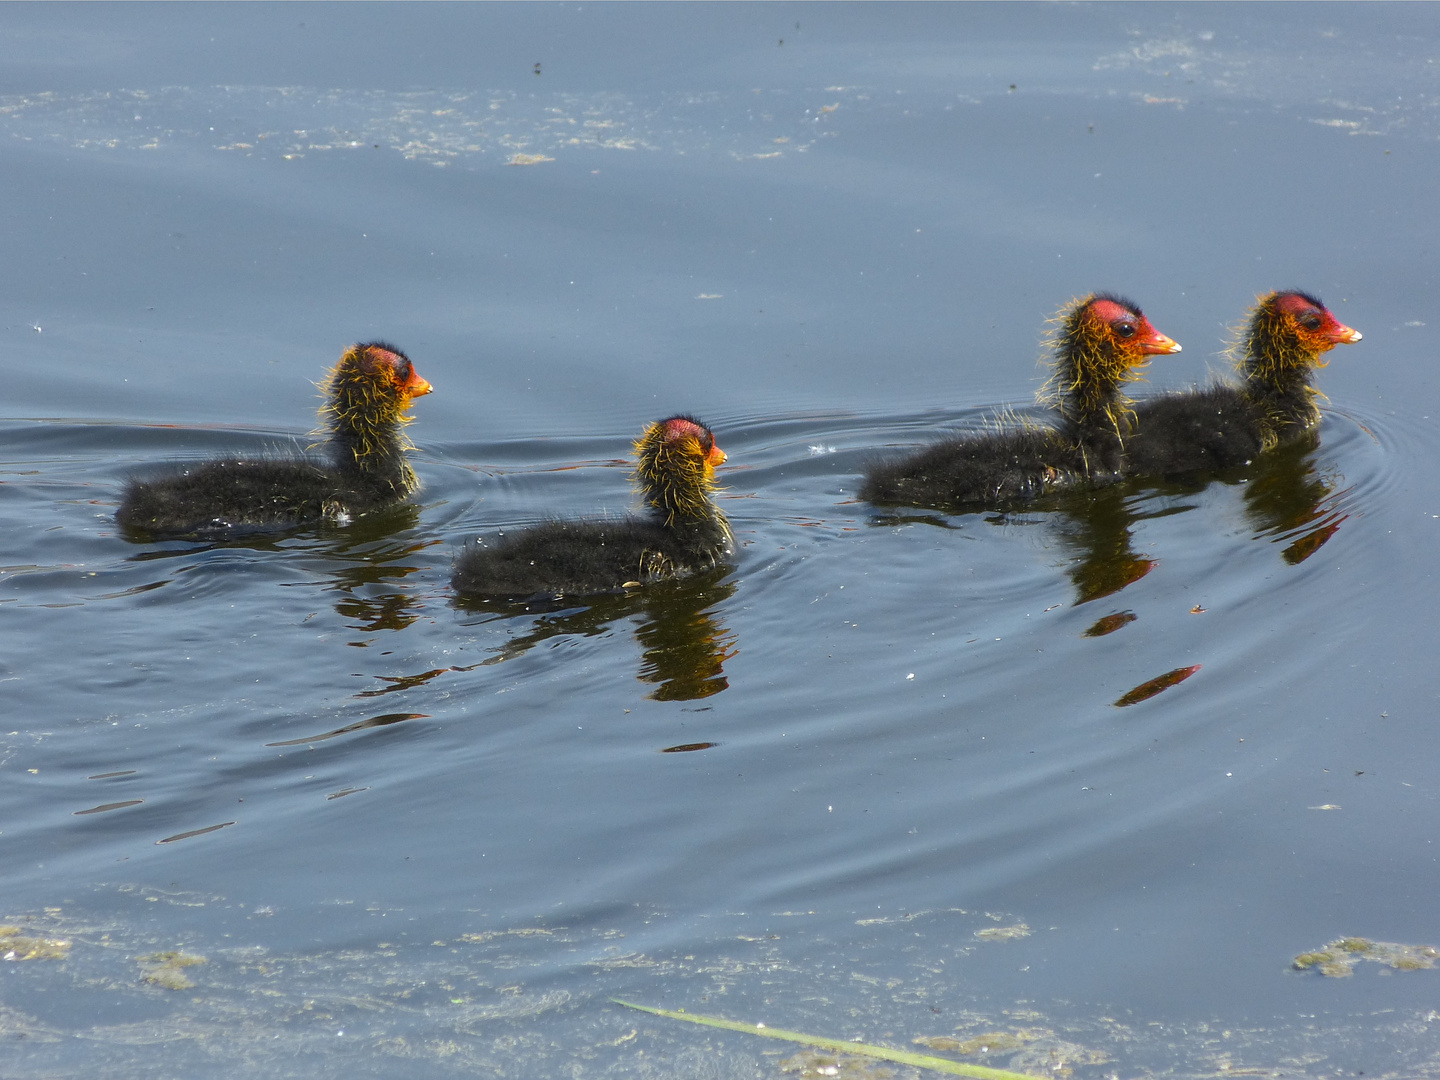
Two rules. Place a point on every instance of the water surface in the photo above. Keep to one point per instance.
(413, 837)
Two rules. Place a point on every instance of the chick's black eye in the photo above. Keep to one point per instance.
(1311, 322)
(403, 370)
(1125, 329)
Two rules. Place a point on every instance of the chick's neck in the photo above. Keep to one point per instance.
(365, 419)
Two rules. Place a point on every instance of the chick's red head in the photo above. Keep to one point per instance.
(1311, 321)
(1126, 326)
(380, 358)
(677, 429)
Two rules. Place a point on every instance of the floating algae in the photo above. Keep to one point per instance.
(487, 1003)
(992, 1042)
(1030, 1050)
(15, 944)
(1003, 933)
(1338, 958)
(167, 969)
(808, 1064)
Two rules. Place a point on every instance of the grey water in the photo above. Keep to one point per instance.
(872, 781)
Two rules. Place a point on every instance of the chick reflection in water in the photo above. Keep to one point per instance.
(367, 560)
(1098, 528)
(685, 644)
(1289, 499)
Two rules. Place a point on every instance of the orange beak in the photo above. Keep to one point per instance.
(415, 386)
(1343, 335)
(1157, 344)
(715, 457)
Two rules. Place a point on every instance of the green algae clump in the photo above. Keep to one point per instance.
(15, 944)
(166, 969)
(992, 1042)
(1339, 957)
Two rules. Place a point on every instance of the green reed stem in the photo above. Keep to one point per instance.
(841, 1046)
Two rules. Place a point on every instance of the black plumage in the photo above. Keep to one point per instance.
(1099, 344)
(990, 468)
(1201, 431)
(682, 531)
(1225, 426)
(363, 420)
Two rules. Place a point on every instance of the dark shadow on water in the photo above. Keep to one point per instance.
(685, 646)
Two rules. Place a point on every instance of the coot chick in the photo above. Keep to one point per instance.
(1224, 426)
(682, 531)
(363, 420)
(1100, 344)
